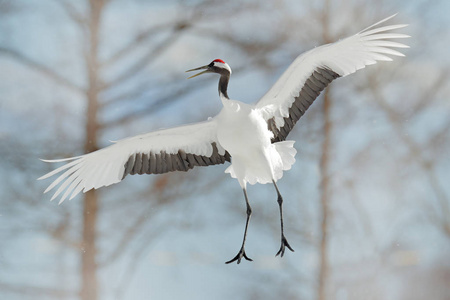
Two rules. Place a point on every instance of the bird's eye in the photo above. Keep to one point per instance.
(211, 64)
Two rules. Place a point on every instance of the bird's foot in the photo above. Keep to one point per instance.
(239, 256)
(284, 243)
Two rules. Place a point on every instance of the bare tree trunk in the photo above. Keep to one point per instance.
(89, 285)
(324, 167)
(324, 198)
(88, 261)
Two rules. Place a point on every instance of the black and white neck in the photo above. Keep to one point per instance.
(223, 85)
(223, 69)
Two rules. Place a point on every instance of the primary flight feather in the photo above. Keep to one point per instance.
(252, 137)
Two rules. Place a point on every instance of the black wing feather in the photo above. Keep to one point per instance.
(313, 86)
(158, 163)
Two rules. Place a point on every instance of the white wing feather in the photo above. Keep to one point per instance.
(343, 57)
(106, 166)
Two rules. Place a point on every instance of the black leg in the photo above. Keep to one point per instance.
(241, 254)
(284, 242)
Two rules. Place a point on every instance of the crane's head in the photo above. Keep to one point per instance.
(216, 66)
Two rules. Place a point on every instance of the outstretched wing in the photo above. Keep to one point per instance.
(176, 149)
(311, 72)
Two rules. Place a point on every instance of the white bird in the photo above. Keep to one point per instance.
(250, 136)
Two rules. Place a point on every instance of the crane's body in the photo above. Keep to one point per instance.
(250, 136)
(254, 158)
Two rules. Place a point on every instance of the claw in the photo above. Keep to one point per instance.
(241, 254)
(284, 243)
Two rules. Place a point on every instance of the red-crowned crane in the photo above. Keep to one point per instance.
(252, 137)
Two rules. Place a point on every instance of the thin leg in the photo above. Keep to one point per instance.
(241, 254)
(284, 242)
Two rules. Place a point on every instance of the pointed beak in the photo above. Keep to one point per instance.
(196, 69)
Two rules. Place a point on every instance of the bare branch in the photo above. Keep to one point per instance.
(134, 228)
(440, 136)
(251, 48)
(430, 93)
(48, 72)
(140, 38)
(135, 93)
(136, 42)
(153, 107)
(73, 13)
(148, 58)
(36, 291)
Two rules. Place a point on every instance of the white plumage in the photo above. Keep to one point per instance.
(343, 57)
(243, 131)
(106, 166)
(251, 137)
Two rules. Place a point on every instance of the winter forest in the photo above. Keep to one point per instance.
(366, 205)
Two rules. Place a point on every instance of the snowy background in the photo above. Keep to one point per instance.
(383, 193)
